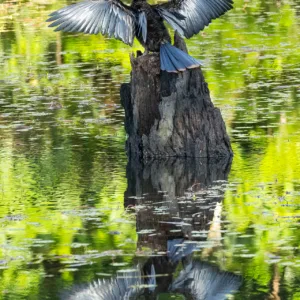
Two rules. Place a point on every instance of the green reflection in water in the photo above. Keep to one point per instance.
(62, 161)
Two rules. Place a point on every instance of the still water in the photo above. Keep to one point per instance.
(73, 210)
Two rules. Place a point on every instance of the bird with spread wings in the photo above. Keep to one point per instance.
(145, 22)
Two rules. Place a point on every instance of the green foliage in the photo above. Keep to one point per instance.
(62, 161)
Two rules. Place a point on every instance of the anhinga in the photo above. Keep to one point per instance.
(144, 21)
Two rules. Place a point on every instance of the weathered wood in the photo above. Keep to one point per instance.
(169, 114)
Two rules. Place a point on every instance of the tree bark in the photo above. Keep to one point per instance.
(169, 114)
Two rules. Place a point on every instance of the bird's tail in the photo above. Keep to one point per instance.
(174, 60)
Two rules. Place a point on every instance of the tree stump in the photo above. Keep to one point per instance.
(171, 114)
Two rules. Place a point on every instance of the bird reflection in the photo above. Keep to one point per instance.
(197, 281)
(205, 282)
(172, 268)
(125, 286)
(178, 249)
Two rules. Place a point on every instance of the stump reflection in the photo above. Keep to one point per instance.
(177, 205)
(175, 198)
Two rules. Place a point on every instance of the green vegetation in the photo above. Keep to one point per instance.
(62, 160)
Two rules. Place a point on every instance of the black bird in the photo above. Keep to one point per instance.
(144, 21)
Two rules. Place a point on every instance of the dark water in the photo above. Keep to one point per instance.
(73, 210)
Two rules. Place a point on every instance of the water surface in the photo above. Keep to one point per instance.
(73, 210)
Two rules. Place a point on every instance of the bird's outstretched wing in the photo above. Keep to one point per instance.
(110, 17)
(188, 17)
(204, 281)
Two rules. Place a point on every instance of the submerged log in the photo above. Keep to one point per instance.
(169, 114)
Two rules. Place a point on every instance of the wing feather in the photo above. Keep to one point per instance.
(110, 17)
(196, 14)
(112, 25)
(141, 26)
(91, 23)
(98, 23)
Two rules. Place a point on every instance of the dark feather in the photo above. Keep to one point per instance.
(174, 60)
(142, 26)
(174, 19)
(197, 14)
(165, 62)
(110, 17)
